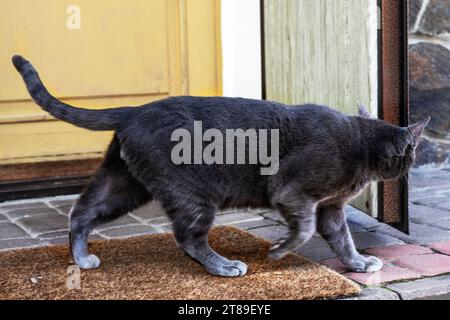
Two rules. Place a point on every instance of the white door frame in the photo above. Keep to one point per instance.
(241, 48)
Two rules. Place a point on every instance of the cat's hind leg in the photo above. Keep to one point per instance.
(301, 220)
(332, 226)
(191, 223)
(112, 193)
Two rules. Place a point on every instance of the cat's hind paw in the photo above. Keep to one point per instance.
(277, 251)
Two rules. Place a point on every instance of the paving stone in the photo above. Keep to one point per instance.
(432, 201)
(275, 216)
(65, 240)
(161, 221)
(427, 265)
(151, 210)
(426, 235)
(420, 179)
(365, 240)
(361, 220)
(260, 211)
(7, 206)
(427, 215)
(445, 296)
(44, 223)
(9, 230)
(255, 224)
(64, 209)
(390, 253)
(442, 247)
(355, 229)
(236, 217)
(57, 241)
(422, 288)
(18, 243)
(122, 221)
(375, 294)
(233, 210)
(350, 208)
(271, 233)
(128, 231)
(335, 264)
(419, 234)
(444, 205)
(95, 237)
(423, 196)
(316, 249)
(55, 234)
(164, 228)
(62, 202)
(443, 224)
(387, 274)
(420, 193)
(29, 212)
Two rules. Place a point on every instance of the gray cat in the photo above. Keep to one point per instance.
(325, 159)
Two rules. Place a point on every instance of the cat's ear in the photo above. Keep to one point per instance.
(417, 128)
(363, 112)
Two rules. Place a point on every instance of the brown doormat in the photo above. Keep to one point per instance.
(152, 267)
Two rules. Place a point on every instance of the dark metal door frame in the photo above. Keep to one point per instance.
(394, 101)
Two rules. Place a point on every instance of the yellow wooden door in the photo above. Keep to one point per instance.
(123, 53)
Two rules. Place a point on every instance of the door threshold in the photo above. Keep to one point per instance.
(26, 189)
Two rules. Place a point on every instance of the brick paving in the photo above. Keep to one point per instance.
(389, 273)
(416, 266)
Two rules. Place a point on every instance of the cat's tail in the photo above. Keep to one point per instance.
(106, 119)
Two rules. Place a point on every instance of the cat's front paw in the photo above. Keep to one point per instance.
(373, 264)
(234, 268)
(88, 262)
(365, 264)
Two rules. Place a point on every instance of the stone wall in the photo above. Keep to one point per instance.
(429, 52)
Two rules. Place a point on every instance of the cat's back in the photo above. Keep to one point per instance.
(213, 112)
(297, 124)
(314, 113)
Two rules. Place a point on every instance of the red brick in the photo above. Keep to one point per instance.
(387, 274)
(390, 253)
(335, 264)
(427, 264)
(443, 247)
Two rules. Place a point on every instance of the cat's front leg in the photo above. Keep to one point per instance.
(332, 226)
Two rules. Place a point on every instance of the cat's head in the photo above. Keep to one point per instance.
(392, 148)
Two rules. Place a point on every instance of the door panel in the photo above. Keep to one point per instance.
(104, 57)
(125, 53)
(316, 51)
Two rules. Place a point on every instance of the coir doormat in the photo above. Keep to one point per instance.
(152, 267)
